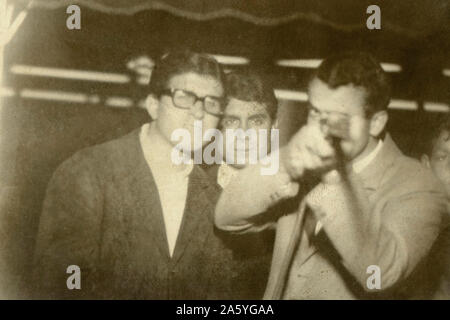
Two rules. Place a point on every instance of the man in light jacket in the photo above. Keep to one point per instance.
(365, 227)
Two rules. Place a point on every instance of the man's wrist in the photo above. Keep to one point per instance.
(332, 177)
(291, 166)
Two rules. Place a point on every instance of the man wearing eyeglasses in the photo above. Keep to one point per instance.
(367, 216)
(137, 225)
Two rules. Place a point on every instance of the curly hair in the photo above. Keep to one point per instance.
(252, 86)
(442, 125)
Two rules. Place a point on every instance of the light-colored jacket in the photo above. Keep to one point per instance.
(387, 216)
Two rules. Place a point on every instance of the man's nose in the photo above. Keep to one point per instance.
(243, 125)
(197, 110)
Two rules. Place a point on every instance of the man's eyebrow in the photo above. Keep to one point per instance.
(195, 94)
(259, 115)
(230, 116)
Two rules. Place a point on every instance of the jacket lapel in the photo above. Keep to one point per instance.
(288, 227)
(293, 242)
(197, 217)
(306, 247)
(145, 195)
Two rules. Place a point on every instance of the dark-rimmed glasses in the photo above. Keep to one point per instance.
(184, 99)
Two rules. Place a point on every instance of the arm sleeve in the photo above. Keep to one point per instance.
(247, 203)
(394, 234)
(69, 231)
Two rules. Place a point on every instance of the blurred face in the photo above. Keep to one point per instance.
(246, 115)
(342, 103)
(170, 117)
(439, 161)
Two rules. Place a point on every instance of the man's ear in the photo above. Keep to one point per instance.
(152, 106)
(425, 160)
(378, 123)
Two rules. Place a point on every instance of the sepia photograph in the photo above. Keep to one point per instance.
(253, 151)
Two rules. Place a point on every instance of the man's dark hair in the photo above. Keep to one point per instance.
(252, 86)
(361, 70)
(179, 62)
(442, 125)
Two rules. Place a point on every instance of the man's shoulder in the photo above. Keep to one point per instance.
(105, 156)
(408, 173)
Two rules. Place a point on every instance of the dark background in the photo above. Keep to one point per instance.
(37, 135)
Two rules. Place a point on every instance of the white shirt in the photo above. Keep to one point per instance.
(359, 165)
(225, 174)
(171, 180)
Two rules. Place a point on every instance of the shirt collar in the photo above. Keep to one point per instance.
(361, 164)
(373, 174)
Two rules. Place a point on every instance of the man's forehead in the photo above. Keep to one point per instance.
(236, 107)
(343, 98)
(202, 85)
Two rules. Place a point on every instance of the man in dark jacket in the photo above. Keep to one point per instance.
(121, 220)
(251, 105)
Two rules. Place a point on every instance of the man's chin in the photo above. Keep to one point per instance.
(238, 166)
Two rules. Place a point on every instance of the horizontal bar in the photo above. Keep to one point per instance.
(314, 63)
(291, 95)
(230, 60)
(400, 104)
(436, 107)
(69, 74)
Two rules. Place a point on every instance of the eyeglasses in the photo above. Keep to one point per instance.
(184, 99)
(315, 113)
(332, 123)
(320, 114)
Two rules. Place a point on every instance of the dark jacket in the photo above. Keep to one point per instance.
(252, 254)
(102, 213)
